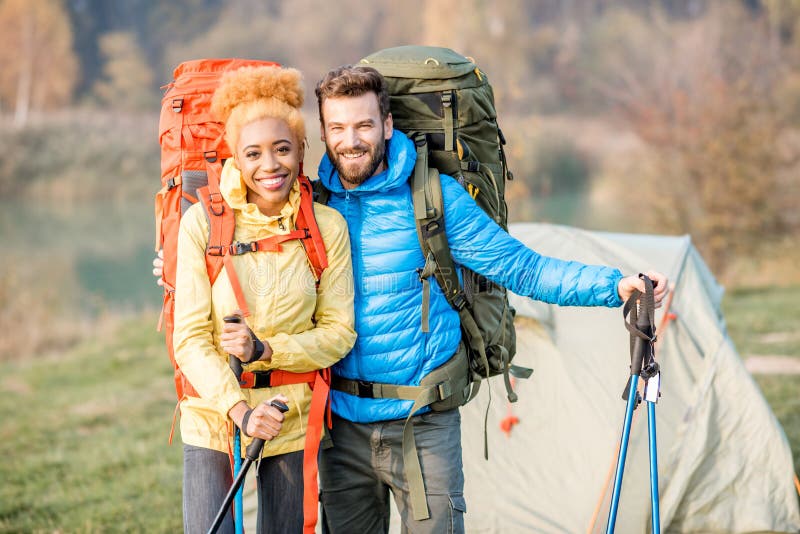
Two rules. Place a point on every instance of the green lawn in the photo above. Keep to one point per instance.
(83, 439)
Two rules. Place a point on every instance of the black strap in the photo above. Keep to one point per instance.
(641, 308)
(245, 419)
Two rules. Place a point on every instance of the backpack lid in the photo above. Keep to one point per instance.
(425, 62)
(217, 65)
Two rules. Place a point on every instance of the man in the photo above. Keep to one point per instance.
(366, 167)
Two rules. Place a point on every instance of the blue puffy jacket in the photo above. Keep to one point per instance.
(391, 347)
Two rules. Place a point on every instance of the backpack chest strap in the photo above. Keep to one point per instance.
(268, 244)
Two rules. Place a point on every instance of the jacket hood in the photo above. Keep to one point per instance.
(234, 191)
(401, 156)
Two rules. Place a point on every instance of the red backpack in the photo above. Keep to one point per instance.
(193, 150)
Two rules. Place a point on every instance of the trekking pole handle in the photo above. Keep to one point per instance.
(233, 361)
(641, 346)
(254, 449)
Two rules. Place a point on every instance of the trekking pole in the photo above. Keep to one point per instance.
(238, 505)
(643, 364)
(252, 454)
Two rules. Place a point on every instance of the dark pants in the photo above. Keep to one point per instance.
(207, 479)
(366, 463)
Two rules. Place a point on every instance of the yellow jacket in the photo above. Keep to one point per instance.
(307, 329)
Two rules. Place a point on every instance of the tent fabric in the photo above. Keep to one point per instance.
(724, 462)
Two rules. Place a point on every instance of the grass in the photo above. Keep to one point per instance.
(83, 438)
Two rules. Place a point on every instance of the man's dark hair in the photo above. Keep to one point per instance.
(353, 80)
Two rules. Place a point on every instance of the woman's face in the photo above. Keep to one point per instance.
(269, 157)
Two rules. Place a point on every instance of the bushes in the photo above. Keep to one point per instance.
(80, 156)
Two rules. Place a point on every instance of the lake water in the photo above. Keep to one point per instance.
(97, 254)
(96, 257)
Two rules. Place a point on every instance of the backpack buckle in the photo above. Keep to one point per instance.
(215, 250)
(444, 389)
(237, 249)
(365, 390)
(431, 229)
(459, 301)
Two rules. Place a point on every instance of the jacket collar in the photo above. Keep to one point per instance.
(234, 191)
(401, 155)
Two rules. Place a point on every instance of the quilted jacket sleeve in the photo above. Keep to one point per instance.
(480, 244)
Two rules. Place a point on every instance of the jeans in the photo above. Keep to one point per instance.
(207, 478)
(366, 463)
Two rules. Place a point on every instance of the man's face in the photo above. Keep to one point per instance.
(355, 137)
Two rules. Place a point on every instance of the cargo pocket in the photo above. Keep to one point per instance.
(458, 507)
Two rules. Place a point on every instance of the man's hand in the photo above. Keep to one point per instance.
(158, 267)
(628, 284)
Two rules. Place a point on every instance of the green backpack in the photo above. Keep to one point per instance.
(444, 103)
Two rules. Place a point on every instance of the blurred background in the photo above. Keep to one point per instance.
(644, 116)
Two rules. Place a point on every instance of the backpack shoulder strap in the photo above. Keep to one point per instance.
(312, 243)
(321, 193)
(426, 191)
(221, 224)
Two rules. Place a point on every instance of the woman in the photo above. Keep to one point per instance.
(301, 327)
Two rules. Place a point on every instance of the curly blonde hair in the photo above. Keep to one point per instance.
(252, 93)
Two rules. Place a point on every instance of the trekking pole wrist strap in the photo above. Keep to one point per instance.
(245, 419)
(258, 349)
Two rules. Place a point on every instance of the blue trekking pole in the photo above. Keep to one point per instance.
(238, 504)
(253, 453)
(643, 335)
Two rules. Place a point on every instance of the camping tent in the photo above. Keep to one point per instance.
(724, 462)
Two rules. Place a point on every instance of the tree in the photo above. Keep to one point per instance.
(39, 66)
(127, 78)
(699, 95)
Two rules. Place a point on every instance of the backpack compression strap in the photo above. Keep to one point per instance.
(422, 396)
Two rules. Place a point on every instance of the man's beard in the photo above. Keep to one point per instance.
(359, 175)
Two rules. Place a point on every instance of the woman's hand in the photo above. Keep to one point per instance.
(628, 284)
(264, 422)
(236, 339)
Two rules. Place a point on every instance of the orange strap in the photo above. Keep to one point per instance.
(319, 382)
(313, 243)
(316, 414)
(278, 377)
(237, 288)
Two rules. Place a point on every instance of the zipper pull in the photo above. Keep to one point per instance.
(280, 224)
